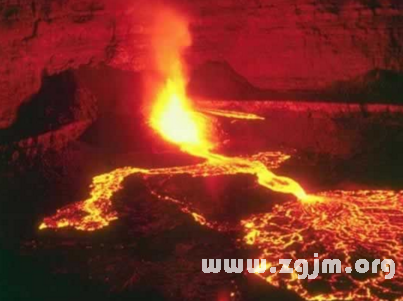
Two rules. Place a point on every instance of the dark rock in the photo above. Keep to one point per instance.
(58, 114)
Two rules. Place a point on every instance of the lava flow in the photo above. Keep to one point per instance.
(337, 224)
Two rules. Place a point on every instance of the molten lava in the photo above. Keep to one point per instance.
(338, 223)
(348, 225)
(176, 121)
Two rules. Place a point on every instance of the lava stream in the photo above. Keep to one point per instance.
(97, 211)
(231, 114)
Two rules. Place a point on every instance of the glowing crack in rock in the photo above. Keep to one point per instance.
(339, 223)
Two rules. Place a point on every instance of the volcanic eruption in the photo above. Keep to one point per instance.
(341, 224)
(174, 118)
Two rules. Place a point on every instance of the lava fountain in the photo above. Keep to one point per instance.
(291, 229)
(172, 114)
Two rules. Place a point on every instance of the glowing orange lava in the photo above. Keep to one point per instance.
(232, 114)
(97, 211)
(176, 121)
(348, 225)
(337, 224)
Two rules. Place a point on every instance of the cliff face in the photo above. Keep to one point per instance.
(45, 37)
(304, 45)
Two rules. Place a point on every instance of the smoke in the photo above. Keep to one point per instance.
(170, 36)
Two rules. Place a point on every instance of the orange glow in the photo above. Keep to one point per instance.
(175, 119)
(97, 212)
(338, 222)
(232, 114)
(172, 115)
(346, 226)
